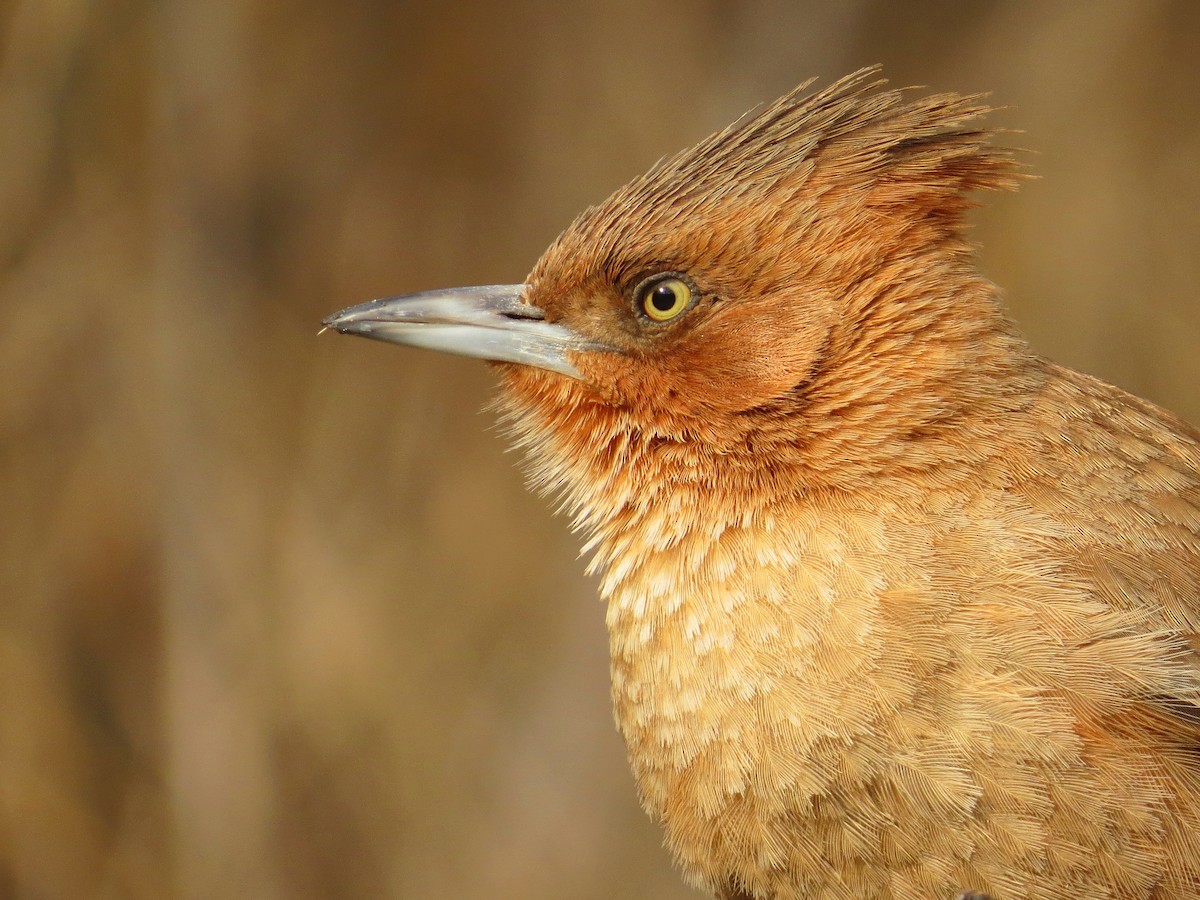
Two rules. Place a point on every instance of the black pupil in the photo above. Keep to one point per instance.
(663, 298)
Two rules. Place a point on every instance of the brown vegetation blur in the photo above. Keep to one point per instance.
(279, 618)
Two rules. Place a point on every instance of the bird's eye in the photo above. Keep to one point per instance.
(665, 297)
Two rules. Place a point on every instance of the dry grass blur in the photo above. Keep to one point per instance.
(279, 619)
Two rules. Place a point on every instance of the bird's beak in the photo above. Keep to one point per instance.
(489, 322)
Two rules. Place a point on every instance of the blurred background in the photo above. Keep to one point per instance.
(278, 618)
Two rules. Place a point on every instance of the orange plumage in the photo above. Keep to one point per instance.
(897, 608)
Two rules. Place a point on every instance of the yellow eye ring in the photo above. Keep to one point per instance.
(664, 298)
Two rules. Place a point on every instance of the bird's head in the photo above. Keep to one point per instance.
(800, 277)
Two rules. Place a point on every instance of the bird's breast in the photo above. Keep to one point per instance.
(874, 698)
(740, 660)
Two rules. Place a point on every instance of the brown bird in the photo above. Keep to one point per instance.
(897, 608)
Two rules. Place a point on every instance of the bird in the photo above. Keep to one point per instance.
(897, 608)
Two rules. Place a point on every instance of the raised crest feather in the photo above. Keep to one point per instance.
(855, 128)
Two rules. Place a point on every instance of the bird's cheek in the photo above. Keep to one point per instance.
(744, 368)
(663, 392)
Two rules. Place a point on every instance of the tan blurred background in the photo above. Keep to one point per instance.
(278, 618)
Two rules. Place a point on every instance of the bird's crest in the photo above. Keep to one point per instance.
(921, 157)
(855, 127)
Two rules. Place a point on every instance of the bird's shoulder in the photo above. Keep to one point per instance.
(1113, 483)
(1118, 481)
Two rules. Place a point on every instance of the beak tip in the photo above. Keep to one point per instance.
(339, 322)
